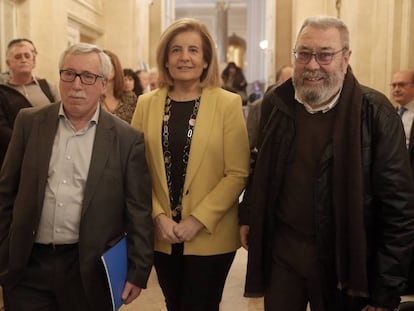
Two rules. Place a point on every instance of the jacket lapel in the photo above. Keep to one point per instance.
(102, 147)
(411, 143)
(155, 119)
(199, 142)
(48, 123)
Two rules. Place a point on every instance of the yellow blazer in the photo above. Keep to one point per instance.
(217, 169)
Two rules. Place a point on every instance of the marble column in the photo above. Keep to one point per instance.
(222, 32)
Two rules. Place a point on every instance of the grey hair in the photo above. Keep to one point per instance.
(85, 48)
(326, 22)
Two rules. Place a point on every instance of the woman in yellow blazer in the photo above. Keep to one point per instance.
(198, 153)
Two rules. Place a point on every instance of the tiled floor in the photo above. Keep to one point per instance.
(152, 299)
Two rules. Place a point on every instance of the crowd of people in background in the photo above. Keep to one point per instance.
(161, 156)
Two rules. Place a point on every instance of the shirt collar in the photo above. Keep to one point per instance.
(34, 81)
(410, 105)
(324, 108)
(93, 120)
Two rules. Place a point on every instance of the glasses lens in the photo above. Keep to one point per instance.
(303, 57)
(399, 84)
(88, 78)
(67, 75)
(324, 58)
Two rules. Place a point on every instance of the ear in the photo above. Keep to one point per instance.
(104, 85)
(347, 56)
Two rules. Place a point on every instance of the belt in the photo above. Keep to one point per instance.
(56, 247)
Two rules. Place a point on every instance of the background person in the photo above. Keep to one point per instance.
(131, 82)
(403, 94)
(253, 116)
(74, 179)
(5, 76)
(153, 79)
(329, 216)
(198, 153)
(116, 100)
(19, 88)
(234, 80)
(143, 76)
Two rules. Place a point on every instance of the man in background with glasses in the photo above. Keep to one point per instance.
(74, 181)
(19, 88)
(328, 218)
(402, 91)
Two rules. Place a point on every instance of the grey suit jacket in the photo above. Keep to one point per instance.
(117, 199)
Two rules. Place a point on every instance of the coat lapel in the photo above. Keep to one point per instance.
(102, 147)
(411, 143)
(48, 123)
(155, 119)
(199, 142)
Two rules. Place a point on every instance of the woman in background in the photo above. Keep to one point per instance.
(198, 152)
(132, 82)
(116, 100)
(234, 80)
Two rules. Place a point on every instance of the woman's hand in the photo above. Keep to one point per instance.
(164, 229)
(187, 229)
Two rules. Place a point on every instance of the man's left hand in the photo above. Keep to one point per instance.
(130, 292)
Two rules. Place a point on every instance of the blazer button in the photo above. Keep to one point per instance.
(34, 232)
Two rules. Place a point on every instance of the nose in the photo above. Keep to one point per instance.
(185, 55)
(76, 84)
(312, 64)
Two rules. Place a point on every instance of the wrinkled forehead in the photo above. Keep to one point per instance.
(402, 77)
(20, 48)
(316, 38)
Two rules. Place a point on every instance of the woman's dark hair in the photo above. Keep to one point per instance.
(137, 83)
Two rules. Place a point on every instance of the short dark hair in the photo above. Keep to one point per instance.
(137, 82)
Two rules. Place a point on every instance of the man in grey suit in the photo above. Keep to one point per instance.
(74, 180)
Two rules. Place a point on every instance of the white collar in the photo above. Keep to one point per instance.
(324, 108)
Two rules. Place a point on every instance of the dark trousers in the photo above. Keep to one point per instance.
(192, 283)
(295, 278)
(51, 282)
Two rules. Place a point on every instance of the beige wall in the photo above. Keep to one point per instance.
(382, 34)
(119, 26)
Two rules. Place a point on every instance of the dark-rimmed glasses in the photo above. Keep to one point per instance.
(322, 58)
(86, 77)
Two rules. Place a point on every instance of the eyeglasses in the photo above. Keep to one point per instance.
(323, 58)
(86, 77)
(400, 84)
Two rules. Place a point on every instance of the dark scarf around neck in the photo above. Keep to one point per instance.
(347, 192)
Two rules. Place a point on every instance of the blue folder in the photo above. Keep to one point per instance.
(115, 261)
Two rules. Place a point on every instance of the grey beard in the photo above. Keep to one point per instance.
(316, 96)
